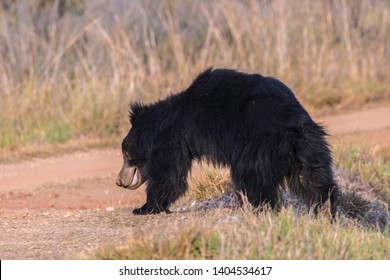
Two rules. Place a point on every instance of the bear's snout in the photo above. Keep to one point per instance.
(129, 177)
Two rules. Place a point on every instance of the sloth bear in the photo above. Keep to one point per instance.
(250, 123)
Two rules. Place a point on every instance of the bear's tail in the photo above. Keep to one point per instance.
(311, 175)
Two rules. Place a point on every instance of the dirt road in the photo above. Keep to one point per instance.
(60, 206)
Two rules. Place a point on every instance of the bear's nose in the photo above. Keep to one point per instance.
(119, 182)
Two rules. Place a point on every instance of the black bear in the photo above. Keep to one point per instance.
(250, 123)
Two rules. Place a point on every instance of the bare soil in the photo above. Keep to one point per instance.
(59, 207)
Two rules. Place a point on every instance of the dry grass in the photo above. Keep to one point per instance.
(368, 165)
(211, 186)
(71, 73)
(240, 234)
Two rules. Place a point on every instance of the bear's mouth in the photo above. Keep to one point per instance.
(129, 177)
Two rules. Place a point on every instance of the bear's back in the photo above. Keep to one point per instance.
(225, 93)
(226, 84)
(223, 96)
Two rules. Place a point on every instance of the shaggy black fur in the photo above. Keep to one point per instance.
(251, 123)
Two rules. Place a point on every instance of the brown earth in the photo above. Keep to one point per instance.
(57, 207)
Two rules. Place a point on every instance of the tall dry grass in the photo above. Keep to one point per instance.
(70, 72)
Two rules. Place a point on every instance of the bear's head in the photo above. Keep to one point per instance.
(132, 174)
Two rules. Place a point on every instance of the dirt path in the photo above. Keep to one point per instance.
(367, 120)
(60, 206)
(82, 180)
(369, 127)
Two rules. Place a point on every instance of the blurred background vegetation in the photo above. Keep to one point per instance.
(69, 68)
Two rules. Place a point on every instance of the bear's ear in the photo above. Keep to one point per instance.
(137, 112)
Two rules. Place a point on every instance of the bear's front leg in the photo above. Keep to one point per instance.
(153, 205)
(167, 180)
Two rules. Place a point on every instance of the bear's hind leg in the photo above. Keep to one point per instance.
(260, 191)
